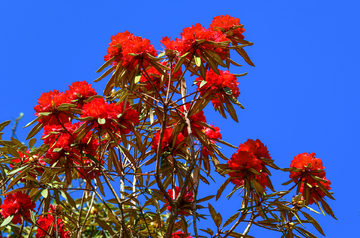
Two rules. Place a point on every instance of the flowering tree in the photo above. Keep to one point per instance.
(146, 141)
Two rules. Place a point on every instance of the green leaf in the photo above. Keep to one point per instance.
(178, 64)
(227, 90)
(107, 72)
(137, 78)
(106, 64)
(33, 217)
(222, 187)
(202, 83)
(101, 121)
(3, 124)
(32, 142)
(7, 221)
(45, 193)
(246, 208)
(205, 198)
(35, 130)
(312, 210)
(197, 60)
(231, 219)
(16, 170)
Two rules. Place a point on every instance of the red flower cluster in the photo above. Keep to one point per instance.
(184, 203)
(48, 221)
(194, 120)
(155, 77)
(310, 166)
(80, 91)
(212, 134)
(188, 43)
(256, 147)
(180, 234)
(167, 142)
(18, 204)
(222, 29)
(62, 144)
(248, 156)
(198, 32)
(217, 83)
(226, 24)
(50, 101)
(123, 44)
(112, 114)
(33, 161)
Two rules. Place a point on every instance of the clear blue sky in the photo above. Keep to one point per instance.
(302, 96)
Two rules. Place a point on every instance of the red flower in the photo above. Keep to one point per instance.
(48, 221)
(59, 138)
(310, 166)
(194, 120)
(48, 102)
(139, 46)
(180, 234)
(185, 201)
(99, 109)
(247, 157)
(315, 192)
(116, 46)
(167, 142)
(18, 204)
(227, 24)
(80, 91)
(171, 45)
(217, 83)
(243, 161)
(198, 32)
(155, 77)
(122, 44)
(212, 134)
(256, 147)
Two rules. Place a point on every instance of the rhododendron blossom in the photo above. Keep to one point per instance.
(315, 192)
(48, 102)
(256, 147)
(116, 46)
(185, 201)
(180, 234)
(217, 84)
(112, 114)
(80, 91)
(195, 120)
(310, 166)
(167, 142)
(155, 76)
(19, 205)
(248, 156)
(124, 45)
(62, 142)
(189, 35)
(46, 222)
(212, 134)
(226, 24)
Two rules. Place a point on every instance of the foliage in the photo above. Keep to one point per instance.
(150, 134)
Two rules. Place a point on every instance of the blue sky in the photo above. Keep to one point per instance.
(302, 96)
